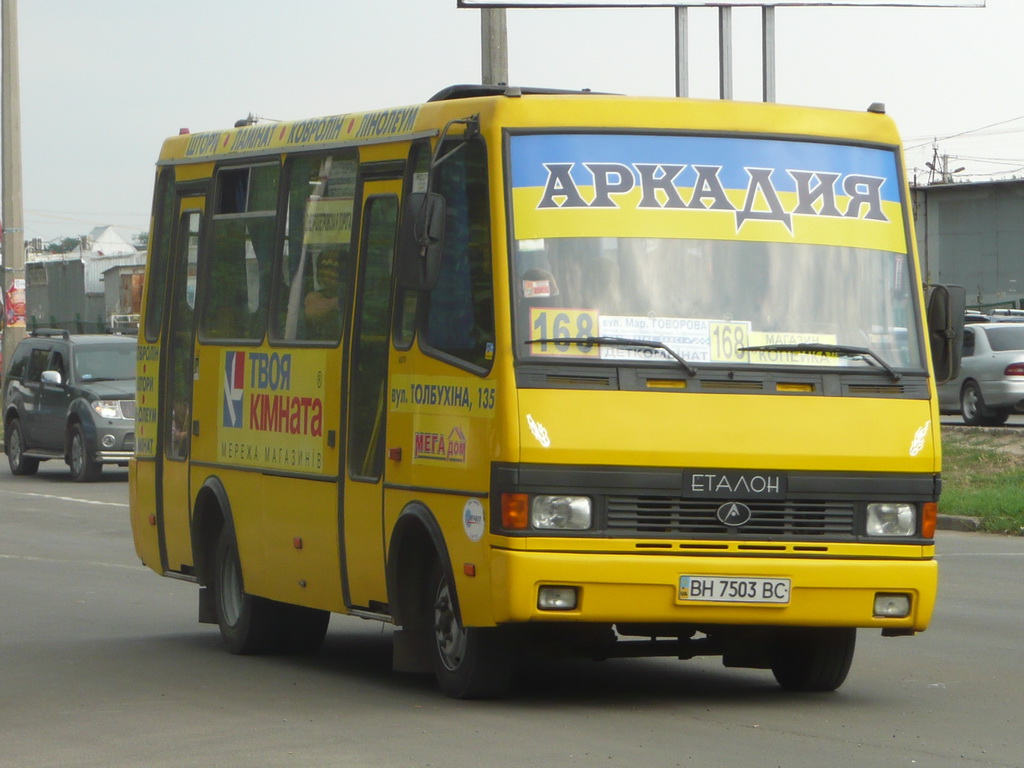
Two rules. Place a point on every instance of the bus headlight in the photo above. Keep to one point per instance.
(560, 513)
(891, 520)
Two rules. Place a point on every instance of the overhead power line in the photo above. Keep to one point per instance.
(963, 133)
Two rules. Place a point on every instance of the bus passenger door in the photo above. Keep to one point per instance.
(176, 376)
(362, 511)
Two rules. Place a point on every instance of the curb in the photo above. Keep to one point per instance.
(958, 523)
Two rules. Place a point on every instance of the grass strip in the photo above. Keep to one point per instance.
(983, 476)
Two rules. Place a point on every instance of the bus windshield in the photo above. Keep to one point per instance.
(728, 251)
(710, 300)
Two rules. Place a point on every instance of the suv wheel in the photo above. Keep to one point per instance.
(83, 468)
(14, 447)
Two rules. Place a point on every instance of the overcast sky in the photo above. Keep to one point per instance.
(103, 82)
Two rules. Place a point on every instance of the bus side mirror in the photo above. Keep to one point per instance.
(420, 241)
(946, 306)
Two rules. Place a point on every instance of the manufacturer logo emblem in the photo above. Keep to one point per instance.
(733, 514)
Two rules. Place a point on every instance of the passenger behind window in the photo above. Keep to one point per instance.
(323, 314)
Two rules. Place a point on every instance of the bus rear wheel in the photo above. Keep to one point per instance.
(814, 658)
(469, 662)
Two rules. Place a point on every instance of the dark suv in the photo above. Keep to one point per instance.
(70, 397)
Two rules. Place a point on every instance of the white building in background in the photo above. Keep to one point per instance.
(69, 289)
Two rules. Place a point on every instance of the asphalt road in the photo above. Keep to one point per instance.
(103, 664)
(953, 420)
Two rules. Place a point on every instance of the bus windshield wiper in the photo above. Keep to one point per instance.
(827, 349)
(618, 341)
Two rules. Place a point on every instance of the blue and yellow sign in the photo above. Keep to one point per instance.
(768, 190)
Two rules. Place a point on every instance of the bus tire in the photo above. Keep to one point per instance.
(469, 662)
(14, 447)
(813, 659)
(248, 624)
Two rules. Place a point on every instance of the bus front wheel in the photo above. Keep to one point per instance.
(248, 624)
(469, 662)
(814, 658)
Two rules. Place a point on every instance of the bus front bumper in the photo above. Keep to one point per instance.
(613, 588)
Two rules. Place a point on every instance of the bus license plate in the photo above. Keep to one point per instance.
(729, 589)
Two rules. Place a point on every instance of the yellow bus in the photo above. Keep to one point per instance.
(523, 367)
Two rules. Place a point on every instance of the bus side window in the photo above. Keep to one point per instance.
(460, 314)
(164, 217)
(407, 301)
(316, 271)
(241, 253)
(370, 358)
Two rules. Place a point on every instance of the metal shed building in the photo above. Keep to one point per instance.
(972, 234)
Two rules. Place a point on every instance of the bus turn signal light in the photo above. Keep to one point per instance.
(515, 511)
(929, 517)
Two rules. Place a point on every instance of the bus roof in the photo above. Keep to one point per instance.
(527, 108)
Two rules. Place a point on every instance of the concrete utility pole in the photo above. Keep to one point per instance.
(494, 46)
(10, 126)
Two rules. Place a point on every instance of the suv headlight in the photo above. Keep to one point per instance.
(560, 513)
(108, 409)
(891, 520)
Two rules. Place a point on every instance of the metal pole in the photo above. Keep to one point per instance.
(494, 46)
(768, 52)
(682, 62)
(725, 52)
(12, 211)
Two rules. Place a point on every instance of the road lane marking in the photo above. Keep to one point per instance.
(35, 559)
(66, 498)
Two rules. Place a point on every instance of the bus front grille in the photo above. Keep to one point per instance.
(674, 516)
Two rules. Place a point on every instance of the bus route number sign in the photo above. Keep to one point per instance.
(572, 325)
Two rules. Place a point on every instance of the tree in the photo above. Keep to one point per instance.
(141, 241)
(65, 244)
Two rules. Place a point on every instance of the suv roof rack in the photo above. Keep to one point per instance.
(473, 91)
(64, 334)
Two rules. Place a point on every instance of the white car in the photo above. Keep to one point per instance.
(991, 382)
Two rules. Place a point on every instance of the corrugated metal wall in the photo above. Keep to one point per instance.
(55, 298)
(973, 235)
